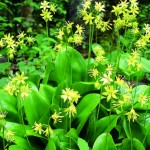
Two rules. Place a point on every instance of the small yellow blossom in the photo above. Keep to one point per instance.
(132, 115)
(71, 110)
(143, 99)
(2, 43)
(44, 5)
(56, 117)
(110, 92)
(2, 114)
(30, 39)
(70, 95)
(94, 73)
(24, 91)
(139, 67)
(48, 131)
(38, 128)
(79, 29)
(78, 39)
(53, 8)
(86, 5)
(9, 135)
(88, 18)
(119, 81)
(19, 78)
(132, 61)
(46, 15)
(21, 35)
(106, 79)
(60, 34)
(99, 7)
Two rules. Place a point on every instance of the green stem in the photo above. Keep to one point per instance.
(131, 136)
(90, 43)
(47, 32)
(70, 128)
(3, 137)
(22, 122)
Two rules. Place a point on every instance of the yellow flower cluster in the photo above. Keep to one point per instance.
(126, 13)
(66, 35)
(43, 129)
(12, 43)
(47, 10)
(71, 97)
(94, 15)
(17, 86)
(134, 62)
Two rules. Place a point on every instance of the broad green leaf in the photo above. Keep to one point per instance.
(83, 87)
(4, 66)
(36, 108)
(47, 92)
(104, 142)
(106, 124)
(85, 108)
(16, 147)
(146, 64)
(35, 79)
(3, 82)
(72, 133)
(136, 92)
(82, 144)
(70, 65)
(136, 144)
(8, 103)
(50, 145)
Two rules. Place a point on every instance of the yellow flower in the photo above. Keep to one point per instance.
(71, 110)
(56, 117)
(135, 54)
(93, 73)
(9, 135)
(2, 43)
(19, 78)
(109, 68)
(38, 128)
(44, 5)
(8, 37)
(106, 79)
(48, 131)
(70, 95)
(147, 28)
(132, 61)
(46, 15)
(30, 39)
(143, 99)
(21, 35)
(24, 91)
(86, 5)
(101, 59)
(99, 7)
(132, 115)
(119, 81)
(53, 8)
(60, 34)
(110, 92)
(79, 29)
(78, 39)
(88, 18)
(2, 114)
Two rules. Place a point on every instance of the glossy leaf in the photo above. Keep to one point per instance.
(82, 144)
(104, 142)
(85, 108)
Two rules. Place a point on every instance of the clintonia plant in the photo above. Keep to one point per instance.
(79, 103)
